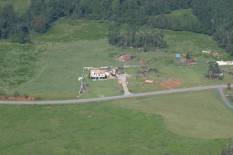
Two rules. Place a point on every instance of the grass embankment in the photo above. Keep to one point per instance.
(121, 127)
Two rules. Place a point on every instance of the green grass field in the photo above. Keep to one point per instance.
(55, 61)
(61, 65)
(154, 125)
(49, 68)
(200, 115)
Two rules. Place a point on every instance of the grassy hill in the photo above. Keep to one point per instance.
(71, 45)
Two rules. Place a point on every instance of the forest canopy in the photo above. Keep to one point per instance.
(216, 16)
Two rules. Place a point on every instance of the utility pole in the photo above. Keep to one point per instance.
(82, 86)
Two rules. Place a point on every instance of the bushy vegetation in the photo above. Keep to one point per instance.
(215, 72)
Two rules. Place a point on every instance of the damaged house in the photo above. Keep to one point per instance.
(103, 73)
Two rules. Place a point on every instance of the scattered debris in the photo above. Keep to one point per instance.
(170, 84)
(178, 56)
(125, 58)
(146, 70)
(212, 53)
(225, 63)
(206, 52)
(149, 81)
(186, 59)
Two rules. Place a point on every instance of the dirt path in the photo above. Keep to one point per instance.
(96, 100)
(124, 82)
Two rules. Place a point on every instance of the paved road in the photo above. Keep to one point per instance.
(96, 100)
(225, 99)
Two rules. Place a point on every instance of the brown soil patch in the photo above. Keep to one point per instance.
(125, 58)
(170, 84)
(17, 98)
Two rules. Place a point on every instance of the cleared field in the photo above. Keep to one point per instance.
(121, 127)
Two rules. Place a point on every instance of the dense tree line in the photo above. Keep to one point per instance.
(143, 38)
(217, 16)
(42, 13)
(12, 26)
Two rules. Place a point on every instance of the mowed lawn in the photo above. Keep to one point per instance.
(154, 125)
